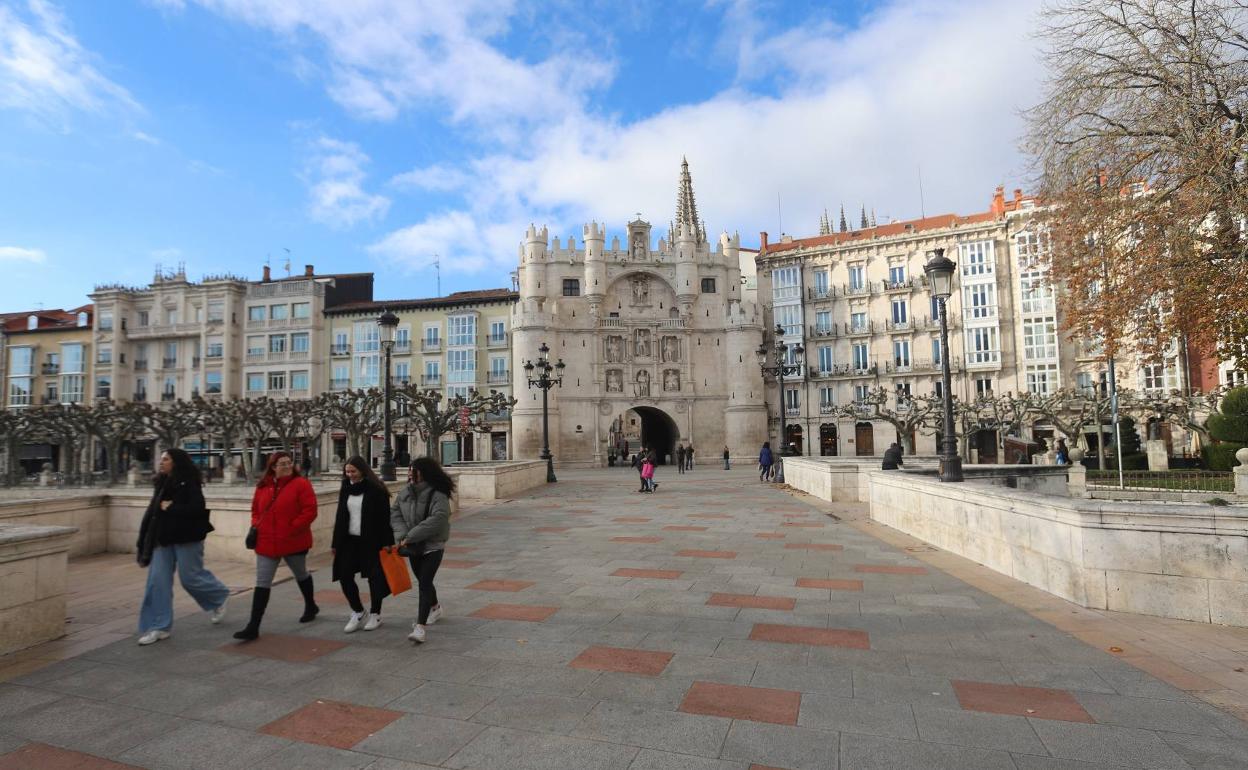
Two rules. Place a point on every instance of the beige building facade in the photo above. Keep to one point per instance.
(656, 340)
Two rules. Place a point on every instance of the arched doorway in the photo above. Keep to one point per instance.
(827, 440)
(795, 438)
(864, 439)
(652, 428)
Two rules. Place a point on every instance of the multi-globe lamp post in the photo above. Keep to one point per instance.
(939, 271)
(780, 366)
(387, 324)
(544, 380)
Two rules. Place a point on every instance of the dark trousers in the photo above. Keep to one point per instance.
(350, 560)
(424, 567)
(378, 590)
(680, 463)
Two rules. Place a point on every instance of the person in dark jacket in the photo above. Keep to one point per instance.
(727, 458)
(764, 461)
(361, 530)
(689, 457)
(892, 457)
(171, 536)
(282, 511)
(421, 519)
(680, 458)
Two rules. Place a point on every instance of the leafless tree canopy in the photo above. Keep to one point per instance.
(1140, 145)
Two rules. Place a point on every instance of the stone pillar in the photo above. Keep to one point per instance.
(1241, 472)
(1158, 457)
(45, 475)
(1077, 480)
(33, 561)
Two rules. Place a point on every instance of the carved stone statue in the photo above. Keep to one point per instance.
(639, 246)
(641, 290)
(670, 348)
(641, 344)
(615, 381)
(671, 379)
(643, 383)
(615, 349)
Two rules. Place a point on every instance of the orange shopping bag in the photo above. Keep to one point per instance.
(395, 567)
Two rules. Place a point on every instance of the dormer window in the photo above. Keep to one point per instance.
(82, 319)
(32, 321)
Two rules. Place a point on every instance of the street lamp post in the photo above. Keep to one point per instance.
(545, 381)
(386, 325)
(779, 367)
(939, 272)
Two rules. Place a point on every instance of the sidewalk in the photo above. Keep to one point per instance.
(720, 624)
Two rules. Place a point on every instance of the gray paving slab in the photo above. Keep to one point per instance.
(535, 711)
(721, 670)
(827, 712)
(869, 752)
(9, 743)
(978, 730)
(1107, 744)
(1150, 714)
(830, 680)
(926, 690)
(1206, 752)
(94, 727)
(656, 691)
(244, 707)
(200, 746)
(502, 749)
(631, 724)
(649, 759)
(20, 699)
(794, 748)
(444, 699)
(307, 756)
(420, 738)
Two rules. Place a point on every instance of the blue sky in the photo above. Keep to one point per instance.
(372, 134)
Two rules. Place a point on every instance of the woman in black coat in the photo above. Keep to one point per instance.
(361, 530)
(171, 537)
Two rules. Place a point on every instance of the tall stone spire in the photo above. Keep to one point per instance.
(844, 224)
(825, 226)
(864, 225)
(686, 208)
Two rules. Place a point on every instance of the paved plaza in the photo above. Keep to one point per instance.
(720, 624)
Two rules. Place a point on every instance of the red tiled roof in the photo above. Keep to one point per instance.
(48, 319)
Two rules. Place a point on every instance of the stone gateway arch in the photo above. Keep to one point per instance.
(657, 330)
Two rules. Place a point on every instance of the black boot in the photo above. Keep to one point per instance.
(309, 604)
(259, 600)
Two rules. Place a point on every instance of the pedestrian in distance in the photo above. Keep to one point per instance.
(283, 508)
(680, 458)
(638, 462)
(420, 517)
(727, 458)
(647, 474)
(689, 457)
(361, 530)
(765, 460)
(1062, 454)
(892, 457)
(171, 536)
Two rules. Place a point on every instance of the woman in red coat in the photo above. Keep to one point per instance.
(282, 511)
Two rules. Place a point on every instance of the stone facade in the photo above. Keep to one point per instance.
(661, 336)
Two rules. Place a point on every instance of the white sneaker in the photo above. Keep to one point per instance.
(155, 635)
(435, 615)
(417, 635)
(353, 624)
(373, 621)
(217, 615)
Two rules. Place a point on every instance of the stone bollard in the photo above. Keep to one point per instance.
(1158, 457)
(1241, 472)
(45, 475)
(1077, 480)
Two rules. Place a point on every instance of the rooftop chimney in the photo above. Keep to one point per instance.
(267, 276)
(762, 242)
(309, 271)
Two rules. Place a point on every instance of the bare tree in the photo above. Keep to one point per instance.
(908, 414)
(16, 426)
(1140, 145)
(358, 413)
(1005, 413)
(171, 422)
(65, 425)
(114, 424)
(1186, 410)
(422, 411)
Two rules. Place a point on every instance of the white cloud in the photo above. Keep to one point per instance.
(46, 72)
(19, 254)
(144, 137)
(439, 177)
(336, 174)
(443, 234)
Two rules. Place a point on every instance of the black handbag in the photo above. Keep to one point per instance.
(250, 541)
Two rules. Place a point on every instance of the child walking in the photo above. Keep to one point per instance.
(647, 474)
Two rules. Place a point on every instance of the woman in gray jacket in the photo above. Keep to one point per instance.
(421, 519)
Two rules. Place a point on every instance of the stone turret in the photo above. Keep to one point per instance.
(533, 268)
(595, 263)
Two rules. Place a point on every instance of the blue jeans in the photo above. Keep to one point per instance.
(202, 585)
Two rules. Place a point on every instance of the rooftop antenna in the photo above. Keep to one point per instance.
(437, 265)
(287, 260)
(780, 213)
(922, 208)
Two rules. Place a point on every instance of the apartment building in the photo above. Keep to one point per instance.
(859, 303)
(171, 339)
(285, 330)
(452, 344)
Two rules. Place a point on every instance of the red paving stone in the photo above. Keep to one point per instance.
(888, 569)
(631, 519)
(552, 529)
(683, 528)
(751, 602)
(330, 723)
(695, 554)
(501, 585)
(331, 596)
(460, 549)
(528, 612)
(622, 660)
(39, 756)
(658, 574)
(806, 524)
(835, 585)
(459, 564)
(814, 547)
(292, 649)
(757, 704)
(770, 536)
(820, 637)
(1038, 702)
(649, 539)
